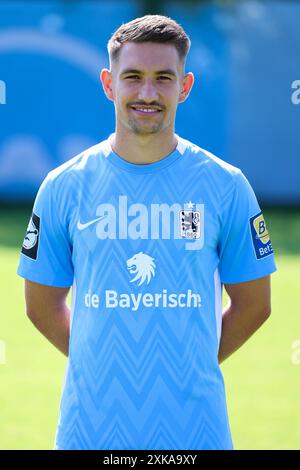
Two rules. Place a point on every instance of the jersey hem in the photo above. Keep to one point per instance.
(41, 280)
(249, 277)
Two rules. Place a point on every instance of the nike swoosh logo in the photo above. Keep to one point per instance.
(81, 226)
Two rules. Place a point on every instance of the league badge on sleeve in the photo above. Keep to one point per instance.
(31, 240)
(260, 236)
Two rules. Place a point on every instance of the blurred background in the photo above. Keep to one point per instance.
(244, 107)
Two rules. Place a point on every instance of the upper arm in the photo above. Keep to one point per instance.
(254, 295)
(41, 298)
(245, 248)
(46, 256)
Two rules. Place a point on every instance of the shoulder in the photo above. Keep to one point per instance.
(221, 179)
(60, 188)
(80, 164)
(211, 163)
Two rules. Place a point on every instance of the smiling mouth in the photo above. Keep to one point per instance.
(146, 111)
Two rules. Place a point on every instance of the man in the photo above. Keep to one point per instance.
(146, 227)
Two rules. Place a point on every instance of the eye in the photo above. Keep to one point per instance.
(132, 77)
(163, 77)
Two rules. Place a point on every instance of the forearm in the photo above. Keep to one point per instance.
(55, 326)
(238, 325)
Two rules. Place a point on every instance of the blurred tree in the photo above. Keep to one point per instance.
(157, 6)
(147, 7)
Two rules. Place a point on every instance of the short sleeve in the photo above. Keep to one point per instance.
(245, 249)
(46, 255)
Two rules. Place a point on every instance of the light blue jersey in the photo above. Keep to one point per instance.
(146, 249)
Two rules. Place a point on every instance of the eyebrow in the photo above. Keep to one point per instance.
(159, 72)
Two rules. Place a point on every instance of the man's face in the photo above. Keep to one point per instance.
(147, 81)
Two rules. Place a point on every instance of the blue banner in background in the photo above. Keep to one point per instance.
(264, 113)
(202, 117)
(50, 58)
(51, 54)
(244, 58)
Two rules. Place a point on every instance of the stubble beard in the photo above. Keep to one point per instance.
(139, 129)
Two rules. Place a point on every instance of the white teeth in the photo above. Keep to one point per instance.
(144, 110)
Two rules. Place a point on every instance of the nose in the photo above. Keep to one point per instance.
(148, 91)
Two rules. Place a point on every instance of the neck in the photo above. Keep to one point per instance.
(143, 149)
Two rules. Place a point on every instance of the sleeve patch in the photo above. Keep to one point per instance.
(31, 240)
(260, 236)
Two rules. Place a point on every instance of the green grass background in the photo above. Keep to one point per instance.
(262, 383)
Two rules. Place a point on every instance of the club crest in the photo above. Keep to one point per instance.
(189, 224)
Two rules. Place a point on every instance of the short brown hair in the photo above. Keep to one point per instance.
(149, 28)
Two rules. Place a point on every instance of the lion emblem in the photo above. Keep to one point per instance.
(142, 266)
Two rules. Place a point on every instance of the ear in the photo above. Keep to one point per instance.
(186, 86)
(106, 80)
